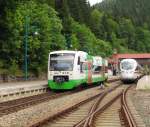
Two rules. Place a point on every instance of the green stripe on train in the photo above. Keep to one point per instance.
(72, 83)
(98, 79)
(66, 85)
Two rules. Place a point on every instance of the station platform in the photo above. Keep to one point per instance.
(14, 90)
(10, 88)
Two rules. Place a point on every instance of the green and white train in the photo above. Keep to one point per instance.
(71, 69)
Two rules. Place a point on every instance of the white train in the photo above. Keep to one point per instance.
(130, 70)
(70, 69)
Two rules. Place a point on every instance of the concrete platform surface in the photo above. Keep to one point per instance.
(144, 83)
(26, 86)
(15, 87)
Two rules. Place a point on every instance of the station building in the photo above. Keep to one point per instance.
(142, 59)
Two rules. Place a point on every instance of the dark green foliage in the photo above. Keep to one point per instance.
(80, 10)
(136, 10)
(121, 22)
(121, 25)
(49, 2)
(44, 35)
(63, 12)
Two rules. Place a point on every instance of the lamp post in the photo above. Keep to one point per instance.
(33, 29)
(68, 41)
(26, 47)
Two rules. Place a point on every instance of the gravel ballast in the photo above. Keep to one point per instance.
(141, 101)
(27, 117)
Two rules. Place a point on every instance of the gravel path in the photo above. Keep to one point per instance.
(141, 101)
(26, 117)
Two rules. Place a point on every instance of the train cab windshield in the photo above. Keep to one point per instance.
(126, 65)
(61, 62)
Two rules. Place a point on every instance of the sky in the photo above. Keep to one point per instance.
(92, 2)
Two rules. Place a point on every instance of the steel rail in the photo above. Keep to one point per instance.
(95, 105)
(19, 104)
(88, 121)
(39, 123)
(22, 103)
(94, 108)
(125, 111)
(71, 108)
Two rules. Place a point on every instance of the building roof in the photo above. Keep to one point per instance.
(134, 56)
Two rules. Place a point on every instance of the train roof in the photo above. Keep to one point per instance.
(66, 51)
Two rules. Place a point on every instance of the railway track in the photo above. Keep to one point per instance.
(22, 103)
(113, 111)
(110, 117)
(101, 107)
(71, 116)
(103, 110)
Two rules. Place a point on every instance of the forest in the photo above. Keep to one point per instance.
(111, 26)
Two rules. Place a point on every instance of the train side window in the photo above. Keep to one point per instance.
(79, 60)
(97, 69)
(83, 67)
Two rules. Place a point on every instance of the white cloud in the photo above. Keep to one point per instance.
(92, 2)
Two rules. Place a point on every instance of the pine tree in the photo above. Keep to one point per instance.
(80, 10)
